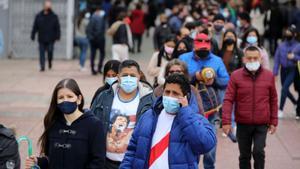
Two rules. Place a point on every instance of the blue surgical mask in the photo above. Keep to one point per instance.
(67, 107)
(110, 80)
(128, 83)
(252, 40)
(171, 104)
(238, 23)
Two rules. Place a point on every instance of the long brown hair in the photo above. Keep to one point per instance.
(53, 113)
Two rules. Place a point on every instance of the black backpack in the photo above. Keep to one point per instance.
(9, 152)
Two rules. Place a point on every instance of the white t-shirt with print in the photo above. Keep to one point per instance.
(122, 123)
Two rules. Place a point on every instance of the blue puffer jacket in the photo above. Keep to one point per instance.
(191, 135)
(212, 61)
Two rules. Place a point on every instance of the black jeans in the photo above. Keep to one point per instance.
(109, 164)
(246, 135)
(137, 38)
(43, 47)
(99, 44)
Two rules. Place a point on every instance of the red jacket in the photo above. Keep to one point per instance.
(254, 97)
(137, 25)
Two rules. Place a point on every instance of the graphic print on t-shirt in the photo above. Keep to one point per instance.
(120, 130)
(122, 123)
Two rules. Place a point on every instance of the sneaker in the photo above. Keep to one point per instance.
(83, 69)
(280, 114)
(297, 117)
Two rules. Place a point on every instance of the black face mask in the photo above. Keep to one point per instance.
(202, 53)
(218, 28)
(289, 37)
(229, 41)
(180, 52)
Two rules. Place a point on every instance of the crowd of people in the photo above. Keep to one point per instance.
(210, 68)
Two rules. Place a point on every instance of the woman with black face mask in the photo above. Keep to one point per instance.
(286, 59)
(72, 138)
(181, 47)
(230, 53)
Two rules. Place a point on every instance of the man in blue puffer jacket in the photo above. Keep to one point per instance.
(171, 134)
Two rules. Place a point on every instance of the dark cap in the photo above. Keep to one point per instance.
(219, 17)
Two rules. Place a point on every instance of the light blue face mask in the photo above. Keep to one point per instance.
(171, 105)
(252, 40)
(110, 80)
(128, 83)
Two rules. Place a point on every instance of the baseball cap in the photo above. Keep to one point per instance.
(202, 41)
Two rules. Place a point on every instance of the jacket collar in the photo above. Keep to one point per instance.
(158, 105)
(248, 73)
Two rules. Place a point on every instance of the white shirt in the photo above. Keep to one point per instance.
(122, 123)
(163, 127)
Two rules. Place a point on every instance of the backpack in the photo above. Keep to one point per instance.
(9, 152)
(209, 99)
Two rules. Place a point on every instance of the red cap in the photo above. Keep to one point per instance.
(202, 41)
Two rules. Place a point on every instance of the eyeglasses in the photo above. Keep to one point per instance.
(202, 40)
(176, 71)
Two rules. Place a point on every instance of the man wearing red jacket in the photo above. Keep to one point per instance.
(253, 93)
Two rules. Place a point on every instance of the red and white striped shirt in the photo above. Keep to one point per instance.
(160, 142)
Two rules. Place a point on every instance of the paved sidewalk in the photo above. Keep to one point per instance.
(25, 96)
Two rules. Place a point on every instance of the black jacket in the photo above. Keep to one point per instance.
(47, 27)
(236, 60)
(99, 90)
(95, 30)
(160, 34)
(120, 37)
(9, 152)
(80, 145)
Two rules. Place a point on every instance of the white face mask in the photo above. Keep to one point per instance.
(253, 66)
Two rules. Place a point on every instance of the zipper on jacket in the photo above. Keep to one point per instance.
(253, 100)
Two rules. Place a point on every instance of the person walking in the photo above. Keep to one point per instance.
(252, 93)
(81, 38)
(251, 37)
(110, 76)
(122, 38)
(171, 134)
(177, 66)
(120, 108)
(286, 60)
(96, 34)
(197, 60)
(73, 138)
(46, 25)
(230, 52)
(159, 60)
(137, 27)
(161, 32)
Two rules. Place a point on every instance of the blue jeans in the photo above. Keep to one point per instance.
(287, 76)
(221, 95)
(209, 158)
(43, 47)
(83, 44)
